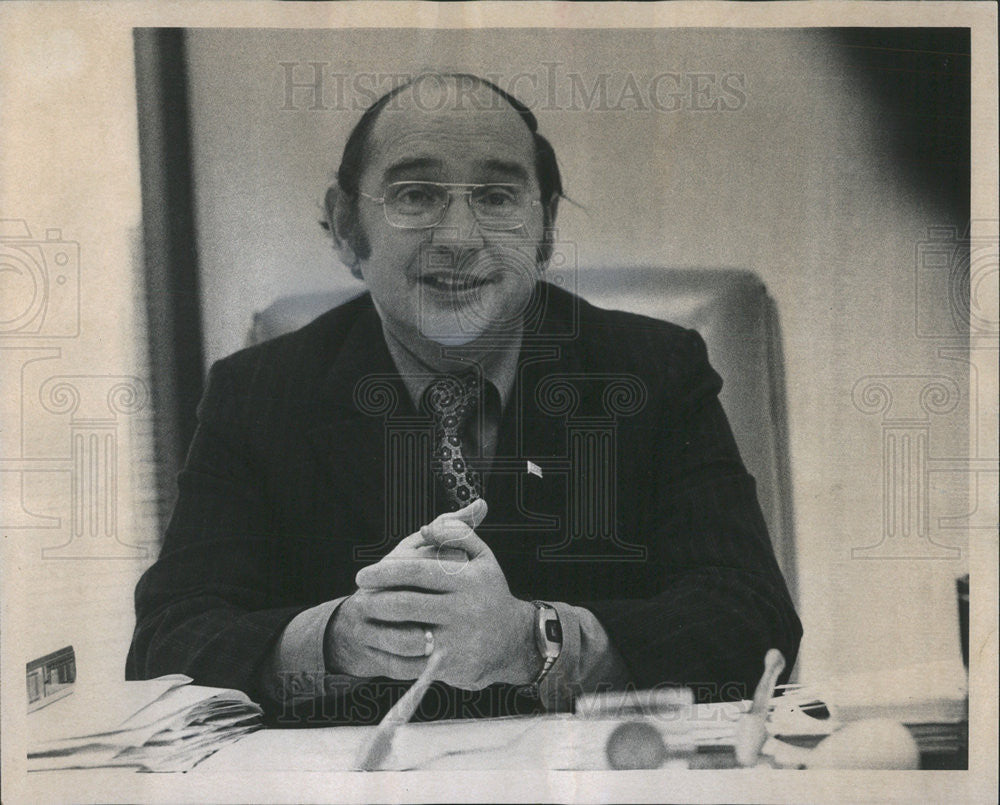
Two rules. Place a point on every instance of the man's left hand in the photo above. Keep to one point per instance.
(486, 633)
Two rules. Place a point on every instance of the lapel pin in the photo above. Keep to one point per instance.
(534, 469)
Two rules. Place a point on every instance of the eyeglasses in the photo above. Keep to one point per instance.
(422, 205)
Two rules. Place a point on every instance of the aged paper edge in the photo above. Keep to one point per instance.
(978, 784)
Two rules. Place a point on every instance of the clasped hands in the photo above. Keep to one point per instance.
(444, 580)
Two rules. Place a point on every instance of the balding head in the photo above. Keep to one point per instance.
(448, 100)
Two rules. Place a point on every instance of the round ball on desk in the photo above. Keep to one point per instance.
(875, 743)
(636, 745)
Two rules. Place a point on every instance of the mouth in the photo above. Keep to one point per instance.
(449, 282)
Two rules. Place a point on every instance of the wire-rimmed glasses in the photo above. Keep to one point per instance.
(422, 205)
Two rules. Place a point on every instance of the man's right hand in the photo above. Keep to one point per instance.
(358, 644)
(354, 643)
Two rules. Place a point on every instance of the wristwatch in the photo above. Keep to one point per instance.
(548, 640)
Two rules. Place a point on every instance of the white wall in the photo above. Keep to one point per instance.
(78, 521)
(798, 185)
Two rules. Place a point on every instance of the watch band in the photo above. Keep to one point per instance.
(548, 639)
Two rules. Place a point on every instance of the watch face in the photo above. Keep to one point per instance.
(553, 631)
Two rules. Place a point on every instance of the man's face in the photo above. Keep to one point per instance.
(453, 282)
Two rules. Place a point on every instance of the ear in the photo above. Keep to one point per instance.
(336, 215)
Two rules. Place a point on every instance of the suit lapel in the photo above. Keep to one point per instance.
(362, 401)
(528, 505)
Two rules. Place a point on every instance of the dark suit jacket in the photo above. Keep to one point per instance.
(310, 461)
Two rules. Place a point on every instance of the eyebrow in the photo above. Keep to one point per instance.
(512, 169)
(405, 168)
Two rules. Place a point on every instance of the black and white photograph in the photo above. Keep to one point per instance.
(522, 402)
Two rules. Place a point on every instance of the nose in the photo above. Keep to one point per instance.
(459, 222)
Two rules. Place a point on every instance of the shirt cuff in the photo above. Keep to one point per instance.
(587, 662)
(297, 668)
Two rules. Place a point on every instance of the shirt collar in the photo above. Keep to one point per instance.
(499, 366)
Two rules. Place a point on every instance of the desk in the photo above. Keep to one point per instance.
(735, 785)
(306, 765)
(543, 743)
(540, 744)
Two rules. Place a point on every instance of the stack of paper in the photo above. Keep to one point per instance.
(164, 724)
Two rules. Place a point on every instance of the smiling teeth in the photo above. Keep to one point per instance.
(451, 283)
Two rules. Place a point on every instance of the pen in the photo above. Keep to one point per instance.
(375, 751)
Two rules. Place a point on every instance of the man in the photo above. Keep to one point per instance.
(403, 476)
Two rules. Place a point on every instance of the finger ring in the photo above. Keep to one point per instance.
(428, 642)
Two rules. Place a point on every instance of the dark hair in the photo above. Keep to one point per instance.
(352, 164)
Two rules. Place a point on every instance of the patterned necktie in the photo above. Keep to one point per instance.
(451, 401)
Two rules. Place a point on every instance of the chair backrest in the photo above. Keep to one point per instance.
(739, 322)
